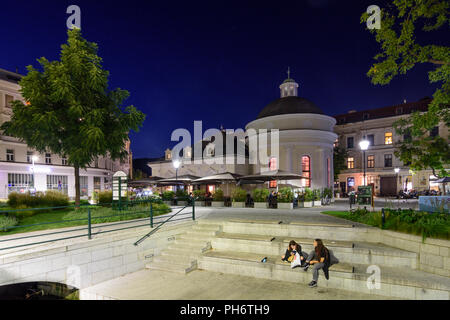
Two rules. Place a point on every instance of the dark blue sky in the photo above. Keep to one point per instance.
(216, 61)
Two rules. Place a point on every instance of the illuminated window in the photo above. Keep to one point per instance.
(350, 163)
(48, 158)
(388, 138)
(273, 164)
(370, 161)
(306, 170)
(273, 184)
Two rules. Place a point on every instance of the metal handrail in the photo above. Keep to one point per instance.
(164, 222)
(89, 219)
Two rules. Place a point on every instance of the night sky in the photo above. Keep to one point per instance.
(216, 61)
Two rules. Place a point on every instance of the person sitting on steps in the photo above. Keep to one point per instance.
(320, 258)
(291, 250)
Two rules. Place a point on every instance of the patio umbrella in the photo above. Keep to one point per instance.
(274, 175)
(144, 182)
(181, 180)
(218, 178)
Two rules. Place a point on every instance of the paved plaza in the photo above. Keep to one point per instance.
(205, 285)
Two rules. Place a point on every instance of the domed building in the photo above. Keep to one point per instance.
(305, 147)
(306, 137)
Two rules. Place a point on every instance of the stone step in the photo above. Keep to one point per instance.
(394, 282)
(171, 258)
(204, 226)
(345, 251)
(181, 253)
(172, 267)
(195, 237)
(210, 233)
(292, 230)
(191, 247)
(271, 260)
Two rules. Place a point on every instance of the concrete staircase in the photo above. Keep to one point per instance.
(238, 246)
(183, 254)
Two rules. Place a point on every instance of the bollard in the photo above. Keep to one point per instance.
(89, 224)
(193, 209)
(383, 218)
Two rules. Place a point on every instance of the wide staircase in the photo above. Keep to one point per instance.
(238, 247)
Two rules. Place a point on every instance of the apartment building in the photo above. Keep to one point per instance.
(376, 126)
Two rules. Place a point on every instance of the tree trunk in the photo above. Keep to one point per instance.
(77, 185)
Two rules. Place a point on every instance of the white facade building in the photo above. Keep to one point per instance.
(306, 140)
(50, 171)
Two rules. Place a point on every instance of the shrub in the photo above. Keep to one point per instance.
(7, 222)
(182, 194)
(327, 192)
(285, 195)
(199, 195)
(105, 197)
(260, 195)
(239, 195)
(218, 195)
(316, 194)
(309, 196)
(48, 199)
(168, 195)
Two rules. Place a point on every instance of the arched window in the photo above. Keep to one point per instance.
(273, 166)
(306, 170)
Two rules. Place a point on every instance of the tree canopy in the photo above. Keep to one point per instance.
(402, 25)
(69, 109)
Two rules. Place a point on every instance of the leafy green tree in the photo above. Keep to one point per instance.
(339, 161)
(70, 110)
(402, 24)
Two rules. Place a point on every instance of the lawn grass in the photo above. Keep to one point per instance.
(417, 223)
(71, 217)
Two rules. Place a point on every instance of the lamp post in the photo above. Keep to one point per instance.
(176, 165)
(364, 145)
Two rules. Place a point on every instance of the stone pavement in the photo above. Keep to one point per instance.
(205, 285)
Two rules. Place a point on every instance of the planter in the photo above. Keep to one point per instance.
(200, 203)
(300, 204)
(169, 203)
(261, 205)
(285, 205)
(317, 203)
(238, 204)
(217, 204)
(307, 204)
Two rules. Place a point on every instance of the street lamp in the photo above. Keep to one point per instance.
(176, 165)
(364, 145)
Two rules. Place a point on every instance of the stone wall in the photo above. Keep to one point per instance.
(87, 262)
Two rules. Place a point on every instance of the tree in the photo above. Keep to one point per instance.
(70, 111)
(339, 158)
(401, 26)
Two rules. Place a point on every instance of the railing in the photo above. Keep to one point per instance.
(169, 219)
(136, 214)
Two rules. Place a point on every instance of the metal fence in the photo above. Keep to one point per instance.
(92, 220)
